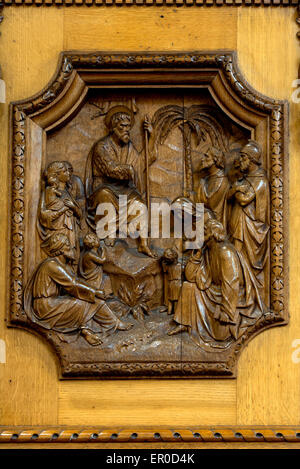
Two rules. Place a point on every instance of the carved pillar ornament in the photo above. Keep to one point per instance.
(149, 220)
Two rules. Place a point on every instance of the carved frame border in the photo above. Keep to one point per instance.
(201, 434)
(226, 62)
(259, 435)
(178, 3)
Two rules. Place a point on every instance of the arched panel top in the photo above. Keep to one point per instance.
(78, 71)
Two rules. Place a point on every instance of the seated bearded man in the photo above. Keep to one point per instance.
(115, 168)
(220, 298)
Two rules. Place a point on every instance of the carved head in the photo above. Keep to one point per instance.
(69, 167)
(250, 154)
(170, 255)
(58, 244)
(91, 241)
(212, 157)
(214, 229)
(119, 120)
(57, 171)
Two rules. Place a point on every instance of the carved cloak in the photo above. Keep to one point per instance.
(218, 281)
(45, 305)
(212, 192)
(106, 178)
(51, 220)
(104, 168)
(250, 223)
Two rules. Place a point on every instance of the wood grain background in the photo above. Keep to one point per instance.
(267, 390)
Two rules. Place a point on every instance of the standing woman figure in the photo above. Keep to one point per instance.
(58, 211)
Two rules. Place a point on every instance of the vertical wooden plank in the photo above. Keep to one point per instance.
(268, 379)
(31, 39)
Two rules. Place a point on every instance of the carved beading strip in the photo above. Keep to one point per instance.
(154, 2)
(276, 434)
(147, 369)
(17, 220)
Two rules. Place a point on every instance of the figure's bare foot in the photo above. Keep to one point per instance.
(90, 337)
(178, 329)
(122, 326)
(110, 242)
(144, 249)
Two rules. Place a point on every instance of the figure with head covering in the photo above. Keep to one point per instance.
(115, 168)
(58, 210)
(249, 220)
(213, 188)
(56, 299)
(219, 298)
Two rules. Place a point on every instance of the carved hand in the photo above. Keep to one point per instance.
(147, 124)
(131, 172)
(101, 294)
(69, 204)
(75, 209)
(244, 188)
(197, 256)
(234, 188)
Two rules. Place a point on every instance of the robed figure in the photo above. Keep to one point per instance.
(115, 168)
(249, 221)
(55, 298)
(219, 298)
(214, 186)
(58, 211)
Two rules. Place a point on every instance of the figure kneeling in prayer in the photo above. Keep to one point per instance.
(220, 298)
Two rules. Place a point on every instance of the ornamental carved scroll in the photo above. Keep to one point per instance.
(149, 221)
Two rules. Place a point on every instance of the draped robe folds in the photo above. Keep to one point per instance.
(249, 223)
(46, 306)
(172, 281)
(90, 268)
(212, 192)
(218, 281)
(106, 179)
(49, 220)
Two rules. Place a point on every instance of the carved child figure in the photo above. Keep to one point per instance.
(51, 191)
(172, 278)
(91, 261)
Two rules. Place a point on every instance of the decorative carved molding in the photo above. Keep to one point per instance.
(76, 73)
(178, 3)
(217, 434)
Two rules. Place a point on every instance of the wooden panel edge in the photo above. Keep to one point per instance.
(208, 3)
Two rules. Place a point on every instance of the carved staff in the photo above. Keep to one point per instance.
(147, 171)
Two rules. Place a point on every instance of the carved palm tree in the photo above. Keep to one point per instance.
(203, 121)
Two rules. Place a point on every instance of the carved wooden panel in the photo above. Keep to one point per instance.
(180, 129)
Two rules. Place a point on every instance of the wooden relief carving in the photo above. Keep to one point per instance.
(148, 224)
